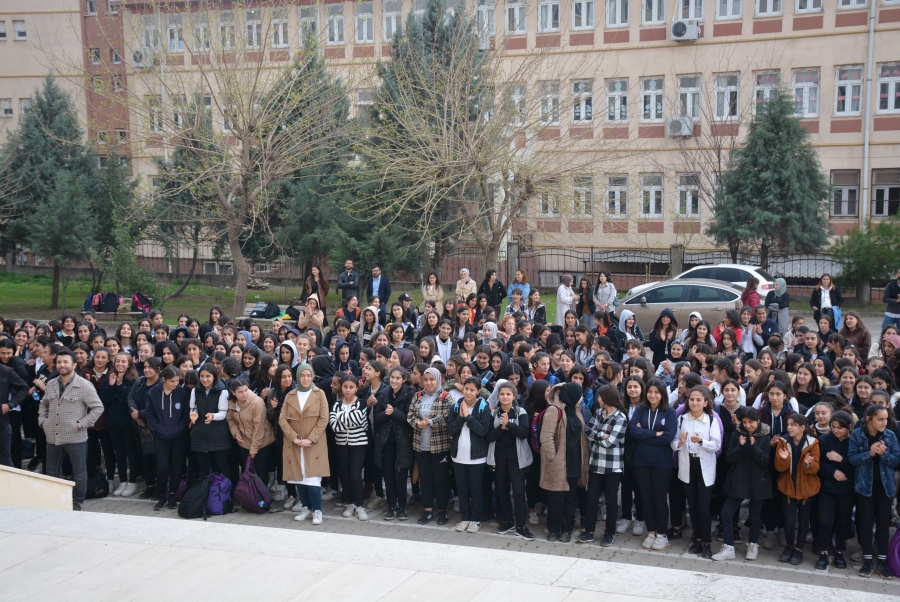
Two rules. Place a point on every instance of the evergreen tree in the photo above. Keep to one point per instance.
(774, 196)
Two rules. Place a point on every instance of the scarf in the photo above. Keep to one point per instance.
(304, 367)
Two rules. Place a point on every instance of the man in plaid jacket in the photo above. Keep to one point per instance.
(69, 407)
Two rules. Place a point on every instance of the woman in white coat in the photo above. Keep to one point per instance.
(565, 298)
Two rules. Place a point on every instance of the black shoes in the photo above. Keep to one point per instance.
(607, 540)
(443, 519)
(867, 568)
(565, 537)
(584, 537)
(882, 569)
(786, 555)
(706, 551)
(391, 514)
(553, 537)
(402, 514)
(505, 528)
(674, 533)
(426, 517)
(172, 504)
(524, 533)
(839, 562)
(160, 504)
(797, 557)
(695, 547)
(822, 563)
(147, 493)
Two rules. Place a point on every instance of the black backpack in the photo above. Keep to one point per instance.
(97, 487)
(259, 309)
(193, 504)
(293, 312)
(110, 302)
(272, 311)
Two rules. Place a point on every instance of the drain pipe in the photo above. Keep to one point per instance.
(864, 204)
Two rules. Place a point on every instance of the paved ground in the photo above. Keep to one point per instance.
(627, 548)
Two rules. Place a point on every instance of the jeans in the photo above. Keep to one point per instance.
(587, 320)
(653, 483)
(469, 482)
(5, 450)
(608, 485)
(698, 498)
(352, 458)
(394, 478)
(77, 453)
(796, 521)
(434, 477)
(889, 321)
(310, 496)
(730, 509)
(561, 508)
(873, 510)
(835, 513)
(126, 453)
(508, 474)
(170, 454)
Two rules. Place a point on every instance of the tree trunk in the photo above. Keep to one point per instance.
(733, 248)
(54, 298)
(441, 246)
(491, 258)
(190, 273)
(241, 271)
(65, 287)
(764, 256)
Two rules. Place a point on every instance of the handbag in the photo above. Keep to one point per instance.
(251, 492)
(147, 445)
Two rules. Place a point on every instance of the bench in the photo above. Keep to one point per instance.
(116, 314)
(249, 307)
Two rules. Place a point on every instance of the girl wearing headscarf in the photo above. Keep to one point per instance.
(427, 416)
(303, 420)
(312, 315)
(564, 460)
(777, 302)
(407, 359)
(565, 298)
(287, 354)
(465, 286)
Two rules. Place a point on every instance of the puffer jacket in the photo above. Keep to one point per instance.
(479, 423)
(394, 427)
(748, 474)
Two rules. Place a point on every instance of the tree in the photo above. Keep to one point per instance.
(114, 207)
(62, 228)
(774, 192)
(868, 256)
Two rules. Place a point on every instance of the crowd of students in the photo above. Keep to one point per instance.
(476, 401)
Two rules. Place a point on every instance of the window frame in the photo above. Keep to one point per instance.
(281, 27)
(174, 25)
(94, 55)
(850, 84)
(688, 194)
(886, 189)
(6, 108)
(3, 36)
(694, 9)
(307, 22)
(335, 27)
(485, 22)
(652, 193)
(395, 17)
(731, 5)
(617, 196)
(24, 106)
(583, 102)
(733, 92)
(118, 83)
(617, 101)
(586, 10)
(657, 11)
(810, 6)
(200, 27)
(364, 23)
(893, 85)
(548, 205)
(90, 8)
(690, 95)
(155, 115)
(516, 17)
(20, 34)
(253, 27)
(851, 4)
(113, 7)
(364, 98)
(806, 89)
(550, 103)
(764, 90)
(546, 9)
(115, 57)
(227, 31)
(583, 195)
(619, 17)
(844, 190)
(657, 98)
(770, 11)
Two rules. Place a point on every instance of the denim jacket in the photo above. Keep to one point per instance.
(859, 457)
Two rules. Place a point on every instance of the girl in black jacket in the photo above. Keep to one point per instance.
(393, 440)
(510, 455)
(836, 496)
(468, 424)
(168, 416)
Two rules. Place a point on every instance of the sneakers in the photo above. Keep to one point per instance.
(120, 489)
(303, 515)
(607, 540)
(130, 490)
(506, 528)
(622, 525)
(726, 552)
(638, 528)
(148, 493)
(706, 552)
(883, 569)
(584, 537)
(443, 519)
(171, 504)
(661, 543)
(752, 551)
(796, 557)
(297, 507)
(524, 533)
(402, 514)
(160, 504)
(769, 541)
(867, 568)
(675, 533)
(349, 510)
(76, 506)
(462, 526)
(565, 537)
(552, 537)
(361, 513)
(474, 526)
(786, 555)
(426, 517)
(317, 517)
(695, 548)
(289, 502)
(328, 494)
(649, 541)
(378, 502)
(822, 563)
(839, 562)
(391, 514)
(533, 518)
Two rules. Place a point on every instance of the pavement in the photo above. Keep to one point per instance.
(56, 555)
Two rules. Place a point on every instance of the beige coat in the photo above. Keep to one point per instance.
(464, 289)
(310, 424)
(307, 319)
(435, 294)
(251, 422)
(553, 449)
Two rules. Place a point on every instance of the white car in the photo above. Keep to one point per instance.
(734, 273)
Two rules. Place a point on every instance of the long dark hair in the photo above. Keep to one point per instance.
(536, 402)
(660, 386)
(609, 395)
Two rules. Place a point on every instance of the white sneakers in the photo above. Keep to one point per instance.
(622, 525)
(120, 489)
(726, 553)
(533, 518)
(473, 527)
(130, 490)
(328, 495)
(649, 541)
(349, 510)
(361, 513)
(317, 517)
(303, 515)
(638, 528)
(297, 507)
(289, 502)
(752, 551)
(462, 526)
(661, 543)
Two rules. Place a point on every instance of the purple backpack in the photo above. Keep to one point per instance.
(251, 492)
(893, 553)
(219, 500)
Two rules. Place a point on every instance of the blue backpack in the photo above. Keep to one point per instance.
(219, 500)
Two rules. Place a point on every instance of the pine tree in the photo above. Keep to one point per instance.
(774, 196)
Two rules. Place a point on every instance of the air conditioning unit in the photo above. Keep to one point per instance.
(139, 57)
(680, 127)
(685, 31)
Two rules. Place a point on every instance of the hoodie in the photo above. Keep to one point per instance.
(363, 335)
(247, 337)
(635, 332)
(686, 332)
(659, 342)
(350, 365)
(168, 415)
(290, 345)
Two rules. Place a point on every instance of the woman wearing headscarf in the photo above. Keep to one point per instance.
(565, 298)
(777, 302)
(407, 359)
(287, 354)
(465, 286)
(564, 460)
(312, 315)
(427, 416)
(303, 420)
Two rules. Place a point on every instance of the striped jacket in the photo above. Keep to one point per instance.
(350, 427)
(607, 454)
(440, 411)
(65, 418)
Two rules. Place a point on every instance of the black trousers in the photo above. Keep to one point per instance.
(608, 485)
(835, 516)
(731, 507)
(148, 461)
(127, 456)
(631, 496)
(533, 491)
(15, 442)
(677, 501)
(470, 484)
(214, 461)
(873, 510)
(508, 474)
(100, 440)
(170, 454)
(434, 478)
(796, 521)
(394, 477)
(260, 462)
(561, 508)
(773, 509)
(372, 474)
(699, 497)
(653, 483)
(352, 458)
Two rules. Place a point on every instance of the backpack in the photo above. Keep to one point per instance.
(893, 553)
(293, 312)
(141, 302)
(271, 311)
(251, 492)
(536, 424)
(219, 500)
(258, 310)
(193, 502)
(97, 302)
(97, 487)
(110, 302)
(88, 303)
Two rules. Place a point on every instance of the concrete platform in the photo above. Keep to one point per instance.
(55, 555)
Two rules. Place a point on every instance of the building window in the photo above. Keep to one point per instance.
(365, 23)
(520, 110)
(689, 96)
(229, 125)
(617, 100)
(768, 8)
(253, 23)
(149, 32)
(806, 92)
(728, 9)
(19, 28)
(2, 31)
(616, 13)
(845, 4)
(689, 195)
(280, 37)
(583, 110)
(550, 103)
(6, 109)
(848, 91)
(516, 18)
(102, 138)
(174, 32)
(121, 136)
(117, 83)
(652, 98)
(889, 88)
(113, 7)
(102, 162)
(651, 195)
(24, 106)
(97, 83)
(617, 195)
(844, 193)
(583, 14)
(226, 29)
(123, 162)
(886, 193)
(766, 87)
(390, 21)
(154, 114)
(114, 57)
(200, 22)
(309, 22)
(548, 16)
(549, 204)
(726, 96)
(335, 24)
(484, 21)
(654, 12)
(364, 101)
(583, 199)
(809, 6)
(91, 7)
(95, 56)
(692, 9)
